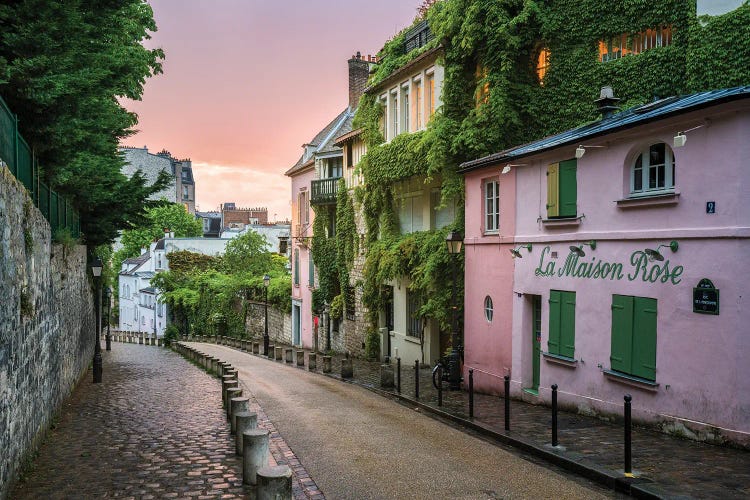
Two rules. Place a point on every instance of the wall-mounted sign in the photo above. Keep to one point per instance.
(641, 268)
(705, 298)
(710, 207)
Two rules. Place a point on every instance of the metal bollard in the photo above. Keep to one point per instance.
(398, 375)
(416, 379)
(507, 402)
(628, 429)
(440, 386)
(471, 392)
(554, 414)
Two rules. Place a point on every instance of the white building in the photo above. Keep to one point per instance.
(276, 235)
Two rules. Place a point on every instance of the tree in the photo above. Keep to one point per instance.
(247, 254)
(63, 66)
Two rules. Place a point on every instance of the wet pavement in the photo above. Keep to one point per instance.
(154, 428)
(665, 466)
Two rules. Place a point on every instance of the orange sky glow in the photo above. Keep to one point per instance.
(247, 82)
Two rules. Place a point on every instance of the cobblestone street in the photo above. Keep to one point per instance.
(155, 428)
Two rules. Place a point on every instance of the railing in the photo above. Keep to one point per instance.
(324, 191)
(20, 159)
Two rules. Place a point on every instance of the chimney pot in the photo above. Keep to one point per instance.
(607, 102)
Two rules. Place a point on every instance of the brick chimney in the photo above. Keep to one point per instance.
(359, 70)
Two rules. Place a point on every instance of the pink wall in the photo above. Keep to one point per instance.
(488, 271)
(302, 293)
(702, 370)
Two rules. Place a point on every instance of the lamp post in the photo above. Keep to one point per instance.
(96, 271)
(454, 241)
(266, 282)
(107, 295)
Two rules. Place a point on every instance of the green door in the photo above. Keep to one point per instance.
(536, 332)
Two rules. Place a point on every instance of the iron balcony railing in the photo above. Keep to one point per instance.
(324, 191)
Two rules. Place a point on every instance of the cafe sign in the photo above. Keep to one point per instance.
(639, 268)
(706, 298)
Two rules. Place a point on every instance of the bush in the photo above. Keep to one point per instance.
(171, 334)
(372, 344)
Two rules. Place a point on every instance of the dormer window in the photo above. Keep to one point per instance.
(653, 171)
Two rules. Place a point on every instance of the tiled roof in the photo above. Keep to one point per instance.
(323, 140)
(148, 289)
(653, 111)
(137, 261)
(348, 135)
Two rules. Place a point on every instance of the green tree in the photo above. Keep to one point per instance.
(247, 254)
(63, 67)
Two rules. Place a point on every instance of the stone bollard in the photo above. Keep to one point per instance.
(312, 361)
(326, 364)
(140, 340)
(232, 392)
(347, 370)
(246, 345)
(231, 372)
(225, 386)
(288, 355)
(254, 454)
(246, 421)
(274, 482)
(279, 351)
(256, 347)
(300, 358)
(271, 351)
(386, 375)
(237, 405)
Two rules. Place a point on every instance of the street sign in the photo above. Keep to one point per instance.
(706, 298)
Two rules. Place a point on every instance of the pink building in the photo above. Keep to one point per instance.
(630, 233)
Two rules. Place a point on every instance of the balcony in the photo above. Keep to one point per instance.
(324, 191)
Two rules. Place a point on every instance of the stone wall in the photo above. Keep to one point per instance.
(279, 323)
(46, 326)
(356, 330)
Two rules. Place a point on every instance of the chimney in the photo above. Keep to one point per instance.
(359, 71)
(606, 104)
(144, 250)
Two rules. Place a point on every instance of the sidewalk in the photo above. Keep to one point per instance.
(665, 466)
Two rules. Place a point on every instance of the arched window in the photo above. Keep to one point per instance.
(653, 171)
(488, 309)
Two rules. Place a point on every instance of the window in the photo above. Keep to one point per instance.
(296, 266)
(621, 45)
(413, 320)
(562, 191)
(441, 216)
(334, 167)
(185, 193)
(405, 109)
(562, 323)
(483, 85)
(410, 216)
(653, 171)
(283, 245)
(418, 104)
(349, 147)
(310, 270)
(488, 310)
(491, 206)
(394, 115)
(383, 122)
(430, 89)
(634, 336)
(303, 208)
(542, 64)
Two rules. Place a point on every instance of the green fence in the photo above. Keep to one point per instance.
(22, 163)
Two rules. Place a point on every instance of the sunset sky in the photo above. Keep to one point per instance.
(247, 82)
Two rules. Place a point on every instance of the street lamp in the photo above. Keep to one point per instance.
(454, 241)
(266, 282)
(96, 271)
(107, 297)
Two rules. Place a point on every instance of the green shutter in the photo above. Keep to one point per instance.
(567, 324)
(311, 270)
(644, 338)
(568, 194)
(622, 333)
(553, 343)
(553, 207)
(296, 266)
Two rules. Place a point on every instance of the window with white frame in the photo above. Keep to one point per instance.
(653, 171)
(394, 115)
(442, 215)
(303, 208)
(418, 104)
(405, 109)
(410, 214)
(491, 206)
(413, 319)
(430, 95)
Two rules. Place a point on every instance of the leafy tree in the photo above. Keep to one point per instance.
(247, 254)
(63, 67)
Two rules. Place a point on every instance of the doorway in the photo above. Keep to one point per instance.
(536, 342)
(296, 322)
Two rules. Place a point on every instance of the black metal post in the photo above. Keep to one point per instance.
(416, 379)
(97, 369)
(471, 392)
(109, 312)
(440, 386)
(398, 375)
(554, 414)
(454, 360)
(265, 332)
(507, 402)
(628, 429)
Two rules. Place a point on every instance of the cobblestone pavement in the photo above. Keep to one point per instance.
(676, 467)
(154, 428)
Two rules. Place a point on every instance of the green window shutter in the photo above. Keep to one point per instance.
(553, 343)
(568, 194)
(311, 271)
(567, 324)
(296, 266)
(622, 333)
(644, 338)
(553, 207)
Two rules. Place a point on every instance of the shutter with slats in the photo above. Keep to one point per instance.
(567, 324)
(568, 193)
(553, 208)
(553, 343)
(622, 333)
(644, 338)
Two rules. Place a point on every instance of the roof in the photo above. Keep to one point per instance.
(399, 73)
(148, 289)
(137, 261)
(323, 140)
(159, 244)
(633, 117)
(341, 139)
(145, 274)
(344, 129)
